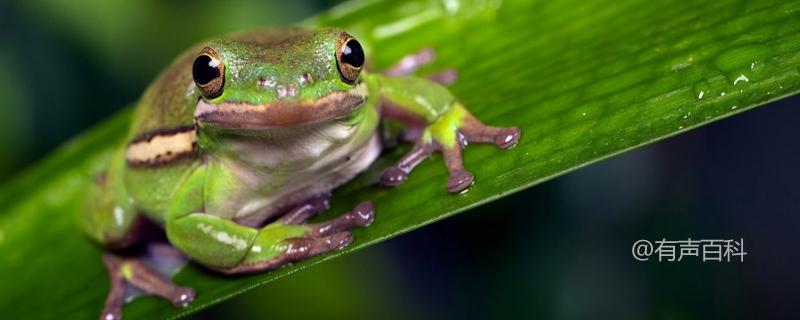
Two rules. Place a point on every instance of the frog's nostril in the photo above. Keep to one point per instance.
(266, 83)
(306, 79)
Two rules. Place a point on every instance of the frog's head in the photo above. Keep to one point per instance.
(278, 79)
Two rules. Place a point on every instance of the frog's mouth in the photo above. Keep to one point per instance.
(281, 114)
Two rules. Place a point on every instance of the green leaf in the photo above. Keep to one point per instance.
(584, 80)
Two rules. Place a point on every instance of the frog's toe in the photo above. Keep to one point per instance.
(459, 181)
(396, 174)
(111, 313)
(307, 247)
(410, 63)
(307, 209)
(361, 216)
(475, 131)
(445, 77)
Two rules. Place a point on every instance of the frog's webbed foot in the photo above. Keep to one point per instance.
(468, 130)
(319, 238)
(410, 63)
(144, 274)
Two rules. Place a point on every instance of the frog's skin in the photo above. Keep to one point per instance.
(241, 140)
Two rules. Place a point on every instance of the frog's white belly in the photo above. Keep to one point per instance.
(287, 168)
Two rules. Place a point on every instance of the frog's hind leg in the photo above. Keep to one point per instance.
(410, 63)
(111, 219)
(108, 216)
(146, 274)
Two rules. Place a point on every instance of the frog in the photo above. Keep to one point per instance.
(242, 139)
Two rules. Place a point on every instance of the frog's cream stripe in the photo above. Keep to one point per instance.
(161, 147)
(282, 113)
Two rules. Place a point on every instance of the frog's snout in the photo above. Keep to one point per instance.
(285, 88)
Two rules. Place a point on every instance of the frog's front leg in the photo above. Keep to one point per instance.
(231, 248)
(446, 126)
(313, 239)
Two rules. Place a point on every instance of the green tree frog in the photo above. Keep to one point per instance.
(241, 140)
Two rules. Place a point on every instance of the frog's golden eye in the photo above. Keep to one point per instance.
(208, 72)
(349, 57)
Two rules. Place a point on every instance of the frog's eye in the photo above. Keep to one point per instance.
(208, 72)
(349, 57)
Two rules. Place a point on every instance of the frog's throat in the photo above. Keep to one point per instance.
(279, 114)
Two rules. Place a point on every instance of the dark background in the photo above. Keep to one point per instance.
(559, 250)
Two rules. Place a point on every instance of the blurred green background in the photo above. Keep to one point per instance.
(559, 250)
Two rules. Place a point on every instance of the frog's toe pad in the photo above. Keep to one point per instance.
(111, 313)
(182, 297)
(364, 214)
(459, 181)
(507, 137)
(393, 176)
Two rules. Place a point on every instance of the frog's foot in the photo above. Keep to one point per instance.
(319, 238)
(468, 130)
(130, 274)
(410, 63)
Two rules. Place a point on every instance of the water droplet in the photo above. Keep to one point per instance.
(682, 63)
(741, 78)
(583, 114)
(701, 89)
(756, 66)
(734, 107)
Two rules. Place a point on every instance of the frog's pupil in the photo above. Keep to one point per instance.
(203, 71)
(353, 54)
